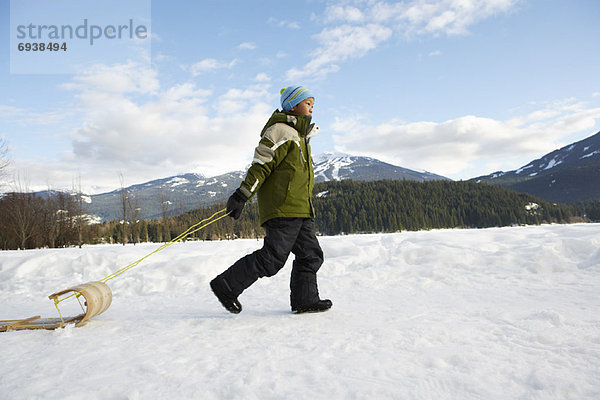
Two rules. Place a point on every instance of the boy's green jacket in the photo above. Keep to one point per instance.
(282, 172)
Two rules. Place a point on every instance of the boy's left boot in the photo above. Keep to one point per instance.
(223, 291)
(304, 294)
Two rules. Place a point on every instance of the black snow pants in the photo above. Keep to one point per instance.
(283, 235)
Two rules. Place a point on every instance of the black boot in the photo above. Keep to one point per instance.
(319, 306)
(225, 295)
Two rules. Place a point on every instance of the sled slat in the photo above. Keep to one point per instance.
(11, 324)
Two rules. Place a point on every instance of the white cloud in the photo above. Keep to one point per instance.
(345, 13)
(452, 147)
(24, 116)
(186, 90)
(364, 25)
(208, 65)
(337, 45)
(129, 78)
(241, 100)
(247, 46)
(282, 23)
(262, 77)
(449, 17)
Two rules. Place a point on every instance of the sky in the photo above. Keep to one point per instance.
(460, 88)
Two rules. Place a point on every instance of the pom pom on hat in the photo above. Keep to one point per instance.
(292, 95)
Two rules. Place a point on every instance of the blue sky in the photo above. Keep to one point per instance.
(460, 88)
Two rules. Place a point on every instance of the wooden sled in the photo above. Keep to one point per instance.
(98, 298)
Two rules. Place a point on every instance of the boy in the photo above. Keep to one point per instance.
(282, 176)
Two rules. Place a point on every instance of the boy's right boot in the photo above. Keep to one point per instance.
(231, 283)
(223, 291)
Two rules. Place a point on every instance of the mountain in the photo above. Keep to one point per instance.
(336, 167)
(172, 195)
(570, 174)
(177, 194)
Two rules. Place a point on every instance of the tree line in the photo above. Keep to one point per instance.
(31, 221)
(390, 206)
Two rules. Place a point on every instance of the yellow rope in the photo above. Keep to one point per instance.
(192, 229)
(62, 321)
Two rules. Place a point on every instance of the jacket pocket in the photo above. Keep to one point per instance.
(281, 187)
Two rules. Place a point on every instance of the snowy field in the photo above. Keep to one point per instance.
(504, 313)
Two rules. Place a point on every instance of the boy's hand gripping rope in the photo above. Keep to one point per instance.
(192, 229)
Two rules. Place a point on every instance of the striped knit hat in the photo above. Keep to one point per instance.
(292, 95)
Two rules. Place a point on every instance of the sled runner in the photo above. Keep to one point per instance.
(98, 298)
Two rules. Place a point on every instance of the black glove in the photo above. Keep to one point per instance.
(235, 204)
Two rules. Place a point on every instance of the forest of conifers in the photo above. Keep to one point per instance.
(345, 207)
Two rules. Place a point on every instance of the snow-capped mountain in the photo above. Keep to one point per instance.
(336, 167)
(181, 193)
(172, 195)
(570, 174)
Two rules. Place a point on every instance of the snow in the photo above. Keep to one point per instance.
(334, 164)
(532, 206)
(177, 181)
(92, 219)
(329, 155)
(552, 163)
(590, 154)
(521, 169)
(502, 313)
